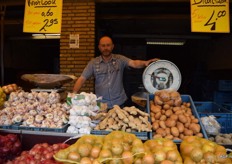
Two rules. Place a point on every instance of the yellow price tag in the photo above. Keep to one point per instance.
(210, 16)
(42, 16)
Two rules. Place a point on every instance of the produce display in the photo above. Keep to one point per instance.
(119, 147)
(163, 151)
(198, 150)
(83, 108)
(2, 97)
(129, 119)
(7, 89)
(41, 153)
(34, 109)
(171, 117)
(10, 147)
(222, 138)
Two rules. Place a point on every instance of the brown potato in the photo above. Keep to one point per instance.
(176, 108)
(188, 132)
(195, 120)
(180, 126)
(175, 131)
(195, 128)
(174, 117)
(170, 102)
(168, 131)
(164, 95)
(163, 117)
(157, 136)
(158, 100)
(170, 123)
(161, 131)
(199, 135)
(155, 125)
(169, 136)
(162, 124)
(158, 115)
(182, 118)
(155, 108)
(166, 106)
(168, 112)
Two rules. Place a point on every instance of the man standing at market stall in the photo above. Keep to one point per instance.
(107, 69)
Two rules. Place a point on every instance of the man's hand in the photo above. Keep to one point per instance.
(150, 61)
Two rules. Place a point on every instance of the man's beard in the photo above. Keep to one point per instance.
(106, 53)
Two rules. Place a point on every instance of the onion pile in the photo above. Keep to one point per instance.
(194, 149)
(10, 146)
(41, 153)
(116, 147)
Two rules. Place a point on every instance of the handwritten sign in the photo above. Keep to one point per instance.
(210, 16)
(42, 16)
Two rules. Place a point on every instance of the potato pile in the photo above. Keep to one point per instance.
(222, 138)
(198, 150)
(171, 118)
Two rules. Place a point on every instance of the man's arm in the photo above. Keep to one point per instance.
(80, 81)
(141, 63)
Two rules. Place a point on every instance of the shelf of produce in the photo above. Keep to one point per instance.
(30, 138)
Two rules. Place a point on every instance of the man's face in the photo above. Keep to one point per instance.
(106, 46)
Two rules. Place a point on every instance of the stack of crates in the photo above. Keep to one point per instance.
(223, 95)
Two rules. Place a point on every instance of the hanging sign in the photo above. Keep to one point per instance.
(42, 16)
(210, 16)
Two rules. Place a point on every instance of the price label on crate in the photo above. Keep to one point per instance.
(42, 16)
(210, 16)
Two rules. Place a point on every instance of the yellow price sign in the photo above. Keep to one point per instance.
(210, 16)
(42, 16)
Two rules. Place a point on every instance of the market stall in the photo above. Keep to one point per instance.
(81, 125)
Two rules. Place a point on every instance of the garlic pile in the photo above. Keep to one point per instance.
(84, 105)
(34, 109)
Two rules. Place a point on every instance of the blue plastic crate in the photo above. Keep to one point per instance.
(224, 119)
(5, 126)
(209, 107)
(228, 106)
(221, 97)
(140, 135)
(60, 130)
(225, 85)
(185, 98)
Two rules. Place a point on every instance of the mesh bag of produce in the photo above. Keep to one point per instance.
(116, 147)
(161, 150)
(194, 149)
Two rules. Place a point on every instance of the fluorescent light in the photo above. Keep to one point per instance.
(45, 36)
(174, 42)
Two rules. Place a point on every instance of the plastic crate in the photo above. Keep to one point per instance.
(140, 135)
(225, 85)
(5, 126)
(185, 98)
(224, 119)
(60, 130)
(221, 97)
(209, 107)
(228, 106)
